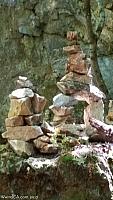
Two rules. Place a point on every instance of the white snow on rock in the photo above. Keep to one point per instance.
(21, 93)
(96, 91)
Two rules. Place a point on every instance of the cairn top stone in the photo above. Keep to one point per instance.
(21, 93)
(23, 82)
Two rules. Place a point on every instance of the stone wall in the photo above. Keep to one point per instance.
(32, 35)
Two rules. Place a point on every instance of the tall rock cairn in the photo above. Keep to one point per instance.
(77, 85)
(25, 128)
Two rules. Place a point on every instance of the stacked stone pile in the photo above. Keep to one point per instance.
(76, 85)
(25, 126)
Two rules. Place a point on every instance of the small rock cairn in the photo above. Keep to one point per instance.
(76, 85)
(26, 129)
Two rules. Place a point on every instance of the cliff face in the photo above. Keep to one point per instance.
(32, 35)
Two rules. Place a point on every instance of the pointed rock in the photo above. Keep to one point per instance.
(47, 128)
(38, 103)
(20, 107)
(14, 121)
(61, 111)
(21, 93)
(23, 82)
(21, 147)
(24, 133)
(71, 35)
(35, 119)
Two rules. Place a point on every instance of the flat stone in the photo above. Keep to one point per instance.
(21, 93)
(61, 111)
(14, 121)
(71, 87)
(72, 49)
(38, 103)
(21, 147)
(44, 139)
(58, 120)
(20, 107)
(47, 128)
(76, 64)
(35, 119)
(24, 133)
(77, 77)
(64, 100)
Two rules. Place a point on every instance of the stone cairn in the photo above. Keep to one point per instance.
(76, 85)
(26, 129)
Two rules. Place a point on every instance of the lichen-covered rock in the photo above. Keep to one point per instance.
(20, 107)
(76, 77)
(24, 133)
(21, 147)
(14, 121)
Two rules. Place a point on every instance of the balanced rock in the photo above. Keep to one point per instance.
(71, 87)
(20, 107)
(72, 49)
(35, 119)
(21, 93)
(38, 103)
(76, 65)
(64, 100)
(21, 147)
(76, 77)
(23, 82)
(14, 121)
(57, 120)
(61, 111)
(24, 133)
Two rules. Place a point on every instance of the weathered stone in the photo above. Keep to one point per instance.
(61, 111)
(24, 133)
(76, 77)
(71, 87)
(20, 107)
(21, 147)
(14, 121)
(38, 103)
(35, 119)
(47, 128)
(72, 49)
(23, 82)
(64, 100)
(44, 138)
(71, 35)
(76, 64)
(73, 141)
(57, 120)
(21, 93)
(49, 149)
(44, 147)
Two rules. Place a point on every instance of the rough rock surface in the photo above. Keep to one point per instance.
(33, 35)
(14, 121)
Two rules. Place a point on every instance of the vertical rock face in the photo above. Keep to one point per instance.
(23, 51)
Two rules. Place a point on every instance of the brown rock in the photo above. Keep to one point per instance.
(71, 35)
(61, 111)
(38, 103)
(44, 139)
(72, 49)
(21, 147)
(24, 133)
(77, 64)
(76, 77)
(47, 128)
(20, 107)
(57, 120)
(14, 121)
(50, 149)
(35, 119)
